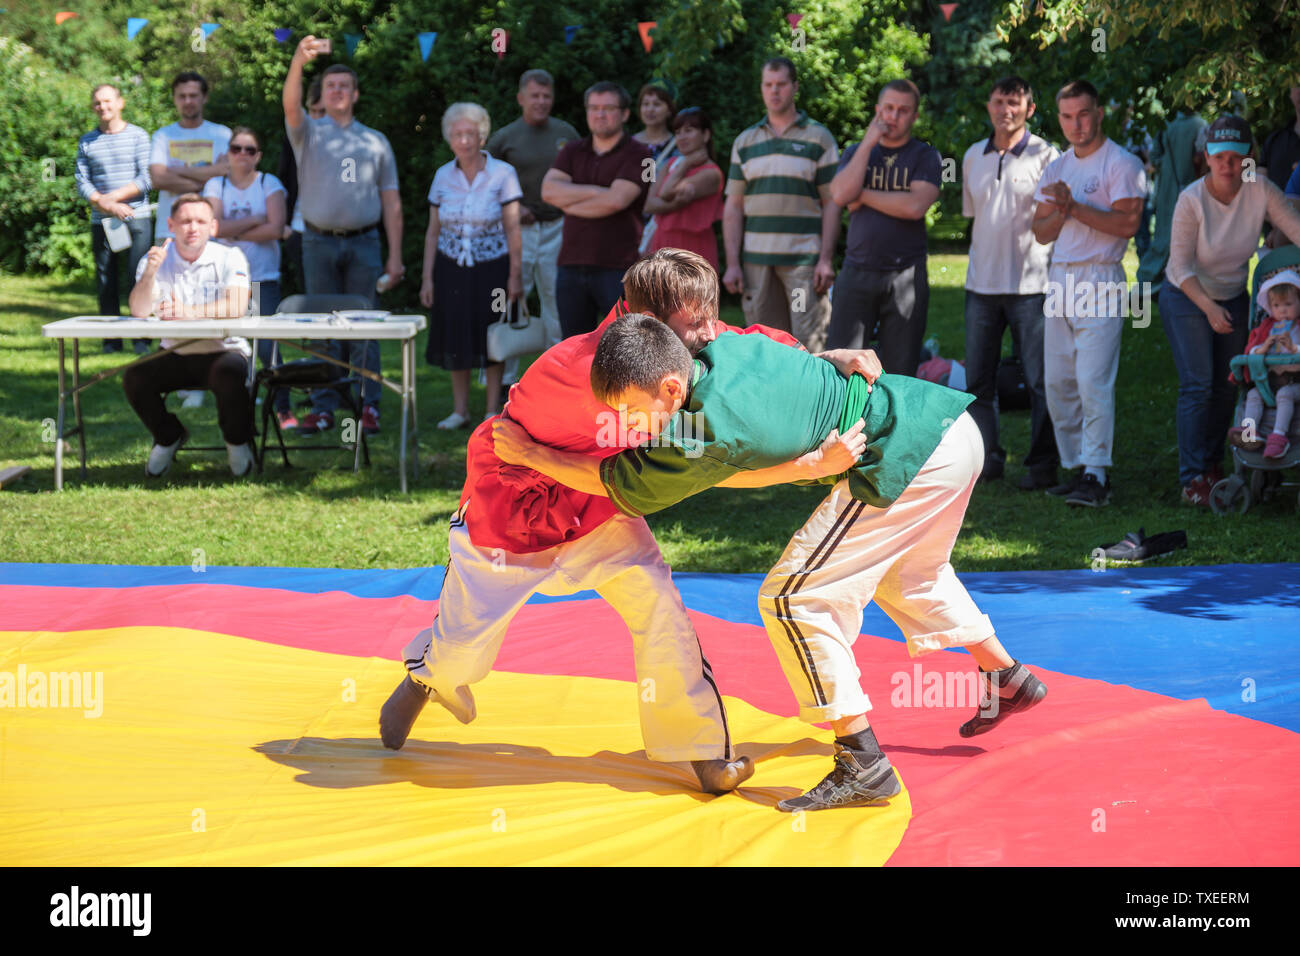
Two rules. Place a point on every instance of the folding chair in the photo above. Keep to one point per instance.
(306, 375)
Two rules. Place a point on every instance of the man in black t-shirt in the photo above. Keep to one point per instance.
(887, 181)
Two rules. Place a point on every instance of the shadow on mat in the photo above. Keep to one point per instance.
(344, 762)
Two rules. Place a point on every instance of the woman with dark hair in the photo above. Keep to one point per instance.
(250, 210)
(687, 201)
(656, 104)
(1204, 303)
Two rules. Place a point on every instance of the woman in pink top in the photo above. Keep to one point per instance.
(688, 200)
(1204, 305)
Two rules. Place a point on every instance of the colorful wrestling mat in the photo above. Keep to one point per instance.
(230, 716)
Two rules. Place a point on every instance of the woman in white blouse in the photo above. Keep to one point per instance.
(1204, 303)
(472, 249)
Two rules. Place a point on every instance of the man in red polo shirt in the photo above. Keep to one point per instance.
(517, 533)
(600, 182)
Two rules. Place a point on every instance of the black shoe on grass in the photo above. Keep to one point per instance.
(1090, 493)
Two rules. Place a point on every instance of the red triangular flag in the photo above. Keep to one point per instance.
(947, 9)
(794, 19)
(65, 15)
(645, 27)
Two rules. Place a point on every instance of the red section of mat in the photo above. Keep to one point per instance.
(1098, 774)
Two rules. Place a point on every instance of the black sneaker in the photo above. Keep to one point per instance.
(1090, 493)
(850, 784)
(1065, 488)
(1038, 481)
(994, 707)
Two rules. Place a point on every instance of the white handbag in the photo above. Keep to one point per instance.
(516, 334)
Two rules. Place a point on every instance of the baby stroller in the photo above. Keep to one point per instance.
(1256, 478)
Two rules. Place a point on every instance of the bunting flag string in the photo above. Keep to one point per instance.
(427, 40)
(645, 27)
(134, 25)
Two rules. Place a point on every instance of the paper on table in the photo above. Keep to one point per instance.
(363, 315)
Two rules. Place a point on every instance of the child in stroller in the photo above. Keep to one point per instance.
(1277, 333)
(1265, 368)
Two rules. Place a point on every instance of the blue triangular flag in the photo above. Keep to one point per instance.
(134, 25)
(210, 28)
(426, 44)
(282, 34)
(569, 32)
(352, 39)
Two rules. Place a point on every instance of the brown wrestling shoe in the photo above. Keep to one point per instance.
(722, 776)
(397, 716)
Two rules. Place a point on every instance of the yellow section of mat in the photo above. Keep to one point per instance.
(215, 750)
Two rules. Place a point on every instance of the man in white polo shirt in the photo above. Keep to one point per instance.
(188, 277)
(1007, 275)
(1089, 203)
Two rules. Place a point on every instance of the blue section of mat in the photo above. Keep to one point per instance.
(1226, 632)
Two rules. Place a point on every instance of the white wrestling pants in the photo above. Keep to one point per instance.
(681, 711)
(1081, 359)
(848, 553)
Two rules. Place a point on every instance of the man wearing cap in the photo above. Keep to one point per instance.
(1089, 203)
(1204, 305)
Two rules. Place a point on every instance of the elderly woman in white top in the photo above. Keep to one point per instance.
(471, 250)
(1204, 304)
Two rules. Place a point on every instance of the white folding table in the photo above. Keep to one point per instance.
(286, 328)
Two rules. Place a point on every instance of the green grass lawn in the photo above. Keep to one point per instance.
(320, 514)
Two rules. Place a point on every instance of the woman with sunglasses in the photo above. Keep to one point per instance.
(688, 200)
(250, 210)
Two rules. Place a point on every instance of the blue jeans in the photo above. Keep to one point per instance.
(106, 264)
(987, 316)
(584, 295)
(335, 266)
(1205, 396)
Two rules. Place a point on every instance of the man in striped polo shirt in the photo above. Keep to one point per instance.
(113, 176)
(778, 202)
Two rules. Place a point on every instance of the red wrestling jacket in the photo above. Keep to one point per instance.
(521, 511)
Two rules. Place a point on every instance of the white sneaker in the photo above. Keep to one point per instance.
(191, 399)
(452, 421)
(160, 457)
(241, 459)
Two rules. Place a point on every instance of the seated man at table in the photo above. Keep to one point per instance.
(189, 277)
(885, 532)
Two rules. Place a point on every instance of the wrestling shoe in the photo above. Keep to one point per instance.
(1003, 693)
(722, 776)
(850, 784)
(397, 716)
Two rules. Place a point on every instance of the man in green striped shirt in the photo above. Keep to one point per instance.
(779, 204)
